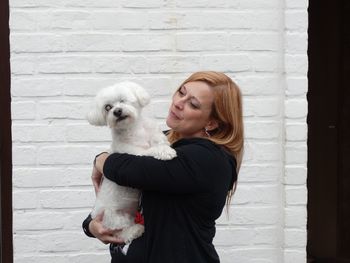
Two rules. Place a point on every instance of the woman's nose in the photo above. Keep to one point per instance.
(179, 103)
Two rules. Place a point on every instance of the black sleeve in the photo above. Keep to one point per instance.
(85, 226)
(193, 170)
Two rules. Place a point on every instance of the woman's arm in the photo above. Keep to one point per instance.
(94, 227)
(194, 170)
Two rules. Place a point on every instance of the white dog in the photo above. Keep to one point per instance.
(119, 106)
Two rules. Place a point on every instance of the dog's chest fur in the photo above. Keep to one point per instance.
(132, 141)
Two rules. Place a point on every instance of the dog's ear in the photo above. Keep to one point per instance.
(142, 95)
(96, 117)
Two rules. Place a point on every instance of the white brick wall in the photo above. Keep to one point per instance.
(63, 51)
(295, 127)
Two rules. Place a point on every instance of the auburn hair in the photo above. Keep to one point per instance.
(227, 111)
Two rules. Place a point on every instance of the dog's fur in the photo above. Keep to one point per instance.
(119, 107)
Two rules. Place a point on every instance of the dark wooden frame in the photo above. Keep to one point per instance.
(6, 252)
(328, 132)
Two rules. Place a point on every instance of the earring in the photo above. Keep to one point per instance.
(206, 132)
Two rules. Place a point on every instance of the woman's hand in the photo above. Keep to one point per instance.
(104, 235)
(97, 170)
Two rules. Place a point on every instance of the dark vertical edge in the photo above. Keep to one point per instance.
(5, 133)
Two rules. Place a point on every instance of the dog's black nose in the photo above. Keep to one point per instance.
(117, 112)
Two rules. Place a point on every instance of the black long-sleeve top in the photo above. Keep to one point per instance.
(181, 198)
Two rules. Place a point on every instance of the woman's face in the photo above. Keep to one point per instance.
(190, 110)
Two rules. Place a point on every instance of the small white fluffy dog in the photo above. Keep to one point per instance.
(119, 106)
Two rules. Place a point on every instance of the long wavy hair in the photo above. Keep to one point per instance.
(227, 111)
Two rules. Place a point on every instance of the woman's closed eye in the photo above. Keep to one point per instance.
(194, 105)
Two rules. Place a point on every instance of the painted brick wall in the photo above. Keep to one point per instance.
(64, 51)
(295, 131)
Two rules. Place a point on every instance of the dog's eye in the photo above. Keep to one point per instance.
(121, 101)
(108, 107)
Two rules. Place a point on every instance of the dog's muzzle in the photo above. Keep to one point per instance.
(118, 113)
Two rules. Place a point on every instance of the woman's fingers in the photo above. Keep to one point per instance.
(109, 236)
(97, 170)
(105, 235)
(100, 161)
(96, 178)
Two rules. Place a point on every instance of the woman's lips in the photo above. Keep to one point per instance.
(174, 115)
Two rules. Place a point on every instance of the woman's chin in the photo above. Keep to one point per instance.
(169, 123)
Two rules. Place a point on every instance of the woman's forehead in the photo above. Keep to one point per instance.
(200, 90)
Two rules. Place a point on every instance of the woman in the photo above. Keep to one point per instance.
(183, 197)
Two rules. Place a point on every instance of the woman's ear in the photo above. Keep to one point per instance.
(211, 125)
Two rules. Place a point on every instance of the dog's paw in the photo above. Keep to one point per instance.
(169, 154)
(162, 152)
